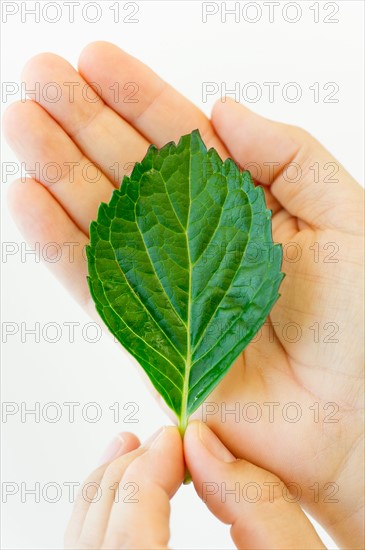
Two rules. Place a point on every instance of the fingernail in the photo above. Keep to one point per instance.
(213, 444)
(113, 450)
(158, 436)
(153, 438)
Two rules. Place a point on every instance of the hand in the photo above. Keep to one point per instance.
(126, 504)
(94, 134)
(319, 376)
(257, 504)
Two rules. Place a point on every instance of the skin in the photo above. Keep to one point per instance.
(272, 369)
(156, 470)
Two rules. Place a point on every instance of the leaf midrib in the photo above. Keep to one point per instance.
(185, 392)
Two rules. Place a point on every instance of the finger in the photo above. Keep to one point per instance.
(154, 478)
(141, 97)
(248, 498)
(99, 132)
(297, 166)
(97, 518)
(40, 143)
(123, 444)
(156, 109)
(44, 223)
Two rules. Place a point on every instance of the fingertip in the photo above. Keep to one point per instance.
(93, 51)
(97, 45)
(228, 107)
(12, 194)
(167, 439)
(43, 63)
(217, 109)
(129, 439)
(20, 193)
(191, 434)
(155, 474)
(220, 109)
(18, 120)
(11, 118)
(172, 433)
(122, 443)
(251, 138)
(200, 438)
(162, 463)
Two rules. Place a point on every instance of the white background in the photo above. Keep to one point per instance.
(171, 37)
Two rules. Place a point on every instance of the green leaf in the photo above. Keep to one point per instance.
(182, 268)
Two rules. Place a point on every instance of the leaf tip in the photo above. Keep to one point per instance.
(197, 142)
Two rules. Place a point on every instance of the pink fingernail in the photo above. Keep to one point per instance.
(213, 444)
(113, 450)
(153, 438)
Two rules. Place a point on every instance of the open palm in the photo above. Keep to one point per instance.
(291, 403)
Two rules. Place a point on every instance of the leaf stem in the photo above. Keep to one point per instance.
(183, 422)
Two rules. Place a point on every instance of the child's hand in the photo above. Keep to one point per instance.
(130, 496)
(311, 352)
(131, 493)
(260, 508)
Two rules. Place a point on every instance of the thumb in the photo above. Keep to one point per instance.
(255, 502)
(305, 178)
(140, 518)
